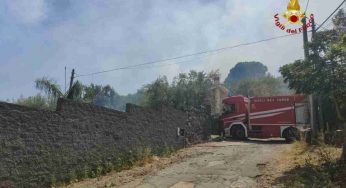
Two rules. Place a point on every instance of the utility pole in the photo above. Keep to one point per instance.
(65, 79)
(319, 97)
(311, 98)
(72, 77)
(313, 29)
(305, 39)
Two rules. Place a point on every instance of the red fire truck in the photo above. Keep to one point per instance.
(265, 117)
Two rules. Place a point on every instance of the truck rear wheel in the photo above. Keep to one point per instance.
(291, 134)
(238, 132)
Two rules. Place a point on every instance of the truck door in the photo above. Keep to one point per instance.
(232, 113)
(229, 109)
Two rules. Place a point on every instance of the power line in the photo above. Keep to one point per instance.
(327, 26)
(163, 65)
(188, 55)
(324, 27)
(331, 15)
(206, 52)
(307, 6)
(185, 61)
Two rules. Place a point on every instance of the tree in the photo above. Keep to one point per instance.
(191, 90)
(245, 70)
(158, 93)
(187, 92)
(339, 22)
(104, 96)
(324, 71)
(98, 95)
(338, 51)
(90, 92)
(262, 86)
(53, 91)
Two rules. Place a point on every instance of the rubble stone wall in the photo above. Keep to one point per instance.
(39, 148)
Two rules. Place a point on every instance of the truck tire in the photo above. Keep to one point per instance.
(238, 132)
(291, 134)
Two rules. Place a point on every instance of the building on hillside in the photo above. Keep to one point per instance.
(216, 94)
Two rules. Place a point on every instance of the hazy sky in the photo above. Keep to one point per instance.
(40, 37)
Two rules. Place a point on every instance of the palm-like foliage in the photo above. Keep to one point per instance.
(52, 89)
(49, 86)
(99, 95)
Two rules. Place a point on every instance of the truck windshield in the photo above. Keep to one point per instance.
(229, 108)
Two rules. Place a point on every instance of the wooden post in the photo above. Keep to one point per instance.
(65, 79)
(305, 39)
(311, 97)
(72, 77)
(69, 93)
(344, 148)
(319, 97)
(313, 28)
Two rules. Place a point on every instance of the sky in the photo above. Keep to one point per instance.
(39, 38)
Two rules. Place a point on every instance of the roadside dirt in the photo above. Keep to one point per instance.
(284, 161)
(214, 164)
(287, 168)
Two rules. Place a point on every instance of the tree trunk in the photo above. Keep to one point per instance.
(344, 148)
(320, 114)
(343, 119)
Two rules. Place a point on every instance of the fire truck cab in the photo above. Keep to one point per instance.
(265, 117)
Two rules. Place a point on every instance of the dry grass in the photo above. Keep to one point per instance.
(133, 176)
(306, 166)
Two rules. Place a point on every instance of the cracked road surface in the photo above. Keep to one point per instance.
(215, 164)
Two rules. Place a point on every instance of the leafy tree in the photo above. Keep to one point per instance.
(90, 92)
(49, 86)
(245, 70)
(191, 90)
(252, 79)
(53, 91)
(324, 71)
(158, 93)
(76, 92)
(136, 98)
(99, 95)
(262, 86)
(188, 91)
(104, 96)
(339, 22)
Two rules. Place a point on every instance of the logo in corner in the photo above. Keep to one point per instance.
(293, 18)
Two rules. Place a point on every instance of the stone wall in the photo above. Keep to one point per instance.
(39, 148)
(344, 146)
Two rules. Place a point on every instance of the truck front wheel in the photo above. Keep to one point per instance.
(238, 132)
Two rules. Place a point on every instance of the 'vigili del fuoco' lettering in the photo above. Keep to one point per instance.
(292, 30)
